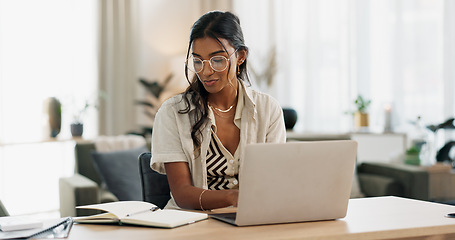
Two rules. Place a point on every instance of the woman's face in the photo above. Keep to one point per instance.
(216, 81)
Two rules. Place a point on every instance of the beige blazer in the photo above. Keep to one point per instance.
(261, 122)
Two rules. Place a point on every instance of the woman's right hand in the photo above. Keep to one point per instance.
(233, 196)
(190, 197)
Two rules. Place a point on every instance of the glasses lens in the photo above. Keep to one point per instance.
(195, 64)
(218, 63)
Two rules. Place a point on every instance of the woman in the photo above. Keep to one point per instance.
(199, 136)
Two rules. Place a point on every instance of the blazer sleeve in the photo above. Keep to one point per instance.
(166, 138)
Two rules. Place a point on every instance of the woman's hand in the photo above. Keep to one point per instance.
(187, 196)
(233, 196)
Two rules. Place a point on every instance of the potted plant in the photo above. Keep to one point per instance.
(77, 124)
(412, 156)
(361, 113)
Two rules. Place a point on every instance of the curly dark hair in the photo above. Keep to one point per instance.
(216, 25)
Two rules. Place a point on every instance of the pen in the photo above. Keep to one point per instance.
(143, 211)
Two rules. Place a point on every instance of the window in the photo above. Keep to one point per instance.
(48, 49)
(392, 52)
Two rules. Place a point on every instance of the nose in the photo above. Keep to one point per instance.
(206, 68)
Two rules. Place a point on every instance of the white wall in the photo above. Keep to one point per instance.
(162, 39)
(164, 29)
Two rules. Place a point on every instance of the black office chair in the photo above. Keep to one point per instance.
(155, 187)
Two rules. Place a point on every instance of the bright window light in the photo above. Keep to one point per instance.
(48, 48)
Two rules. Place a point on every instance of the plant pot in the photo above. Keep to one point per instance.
(361, 119)
(77, 129)
(290, 118)
(412, 159)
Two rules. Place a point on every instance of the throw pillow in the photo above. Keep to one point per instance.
(120, 171)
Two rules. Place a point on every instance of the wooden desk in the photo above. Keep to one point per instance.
(367, 218)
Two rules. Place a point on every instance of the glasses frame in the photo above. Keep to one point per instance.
(210, 62)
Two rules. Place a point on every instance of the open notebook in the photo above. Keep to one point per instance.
(139, 213)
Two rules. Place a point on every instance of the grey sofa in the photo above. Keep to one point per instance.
(86, 186)
(389, 179)
(375, 179)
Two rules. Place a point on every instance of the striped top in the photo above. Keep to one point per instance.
(222, 167)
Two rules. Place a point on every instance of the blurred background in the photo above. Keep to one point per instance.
(110, 64)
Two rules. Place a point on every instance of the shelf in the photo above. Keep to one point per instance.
(49, 140)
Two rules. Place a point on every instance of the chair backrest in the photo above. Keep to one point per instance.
(3, 211)
(155, 187)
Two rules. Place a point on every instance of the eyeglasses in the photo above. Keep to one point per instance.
(217, 63)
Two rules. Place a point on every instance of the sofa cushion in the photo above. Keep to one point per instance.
(377, 185)
(356, 191)
(120, 171)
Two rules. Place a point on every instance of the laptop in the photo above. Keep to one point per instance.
(293, 182)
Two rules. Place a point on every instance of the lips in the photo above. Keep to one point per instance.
(210, 82)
